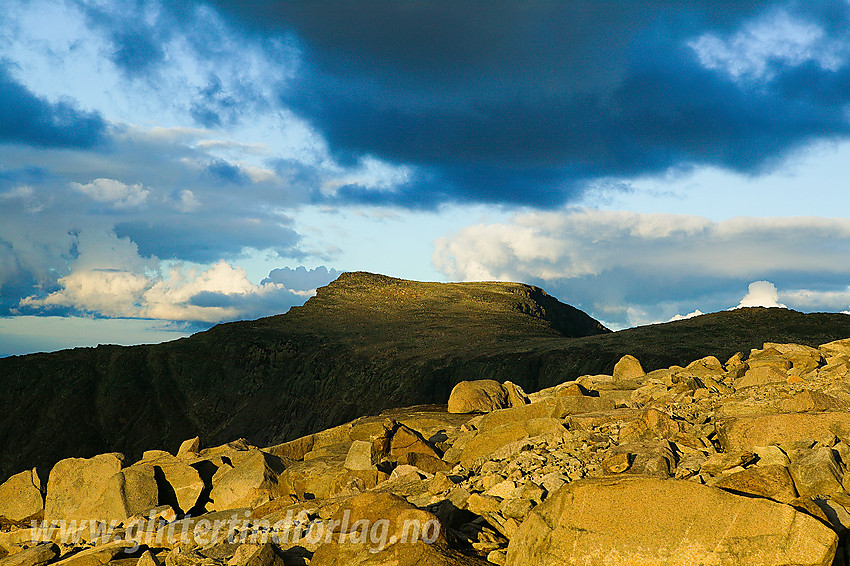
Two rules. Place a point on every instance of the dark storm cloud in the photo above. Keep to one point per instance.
(136, 46)
(523, 102)
(221, 171)
(136, 51)
(32, 120)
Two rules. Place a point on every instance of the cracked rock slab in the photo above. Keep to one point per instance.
(648, 521)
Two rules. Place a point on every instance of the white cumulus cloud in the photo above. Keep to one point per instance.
(120, 195)
(761, 294)
(109, 278)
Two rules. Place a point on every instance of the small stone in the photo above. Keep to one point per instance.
(770, 455)
(189, 448)
(482, 504)
(147, 559)
(404, 470)
(516, 508)
(502, 490)
(37, 555)
(361, 456)
(617, 463)
(497, 557)
(773, 482)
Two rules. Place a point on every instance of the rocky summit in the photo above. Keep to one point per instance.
(741, 461)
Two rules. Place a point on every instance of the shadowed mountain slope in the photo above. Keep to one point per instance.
(365, 343)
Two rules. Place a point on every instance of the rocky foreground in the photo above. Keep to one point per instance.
(742, 462)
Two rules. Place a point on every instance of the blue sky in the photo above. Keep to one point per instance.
(165, 166)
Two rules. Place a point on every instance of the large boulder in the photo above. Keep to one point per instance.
(129, 492)
(20, 496)
(816, 472)
(180, 484)
(250, 483)
(771, 481)
(643, 521)
(653, 424)
(628, 368)
(489, 441)
(362, 456)
(381, 529)
(745, 433)
(480, 396)
(812, 400)
(762, 375)
(97, 488)
(323, 478)
(557, 408)
(406, 441)
(836, 347)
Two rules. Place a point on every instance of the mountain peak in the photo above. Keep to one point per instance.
(368, 308)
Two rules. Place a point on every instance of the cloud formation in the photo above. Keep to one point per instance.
(110, 279)
(657, 265)
(114, 192)
(530, 102)
(26, 118)
(493, 102)
(147, 148)
(761, 294)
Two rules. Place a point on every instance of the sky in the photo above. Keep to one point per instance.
(169, 165)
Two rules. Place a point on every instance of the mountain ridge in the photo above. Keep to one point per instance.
(365, 343)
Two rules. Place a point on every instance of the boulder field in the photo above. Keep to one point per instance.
(736, 462)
